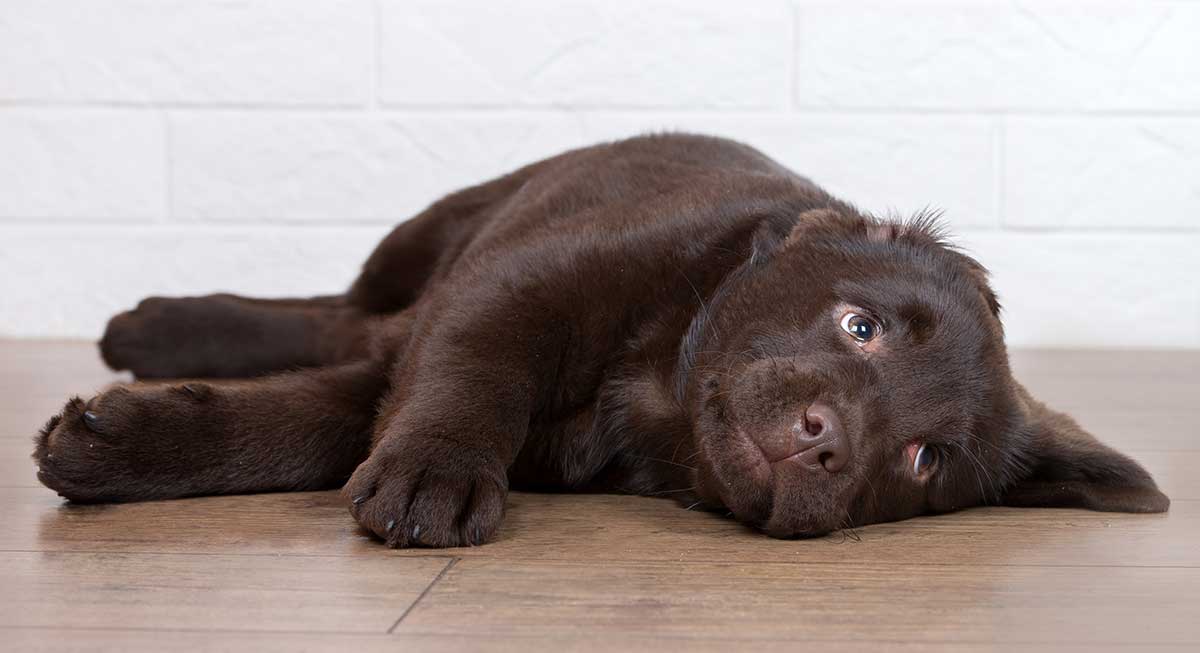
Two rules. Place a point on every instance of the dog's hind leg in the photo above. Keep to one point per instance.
(226, 336)
(301, 430)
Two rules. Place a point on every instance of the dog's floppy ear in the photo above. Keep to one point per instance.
(780, 232)
(831, 221)
(1068, 468)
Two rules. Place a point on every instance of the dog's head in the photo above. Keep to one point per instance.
(854, 371)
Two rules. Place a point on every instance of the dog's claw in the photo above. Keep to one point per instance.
(92, 420)
(197, 391)
(358, 500)
(416, 532)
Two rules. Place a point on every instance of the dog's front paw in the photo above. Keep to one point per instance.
(433, 494)
(114, 447)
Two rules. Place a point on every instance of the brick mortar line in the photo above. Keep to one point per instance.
(793, 68)
(999, 178)
(376, 72)
(168, 215)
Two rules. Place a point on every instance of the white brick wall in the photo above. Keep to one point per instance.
(262, 146)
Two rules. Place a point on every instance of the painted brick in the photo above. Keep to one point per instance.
(202, 51)
(651, 53)
(1094, 290)
(263, 146)
(82, 165)
(67, 283)
(1110, 172)
(888, 165)
(997, 55)
(242, 166)
(1069, 290)
(336, 168)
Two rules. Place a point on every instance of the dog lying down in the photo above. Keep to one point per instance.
(669, 315)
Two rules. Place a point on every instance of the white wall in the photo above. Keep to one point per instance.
(262, 146)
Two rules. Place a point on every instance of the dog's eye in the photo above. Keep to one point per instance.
(861, 328)
(925, 459)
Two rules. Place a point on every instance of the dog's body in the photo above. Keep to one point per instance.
(669, 315)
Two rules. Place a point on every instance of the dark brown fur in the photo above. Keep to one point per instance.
(656, 316)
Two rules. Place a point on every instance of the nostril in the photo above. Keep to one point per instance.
(813, 425)
(834, 458)
(821, 435)
(819, 420)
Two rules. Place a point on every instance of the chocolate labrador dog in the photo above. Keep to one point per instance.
(670, 315)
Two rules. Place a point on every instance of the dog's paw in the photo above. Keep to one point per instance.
(112, 448)
(168, 337)
(146, 339)
(428, 494)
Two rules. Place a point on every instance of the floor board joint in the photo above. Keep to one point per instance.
(421, 596)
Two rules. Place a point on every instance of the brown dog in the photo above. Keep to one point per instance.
(669, 315)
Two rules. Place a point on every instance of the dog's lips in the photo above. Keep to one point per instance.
(753, 459)
(737, 473)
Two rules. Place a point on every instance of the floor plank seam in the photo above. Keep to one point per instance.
(424, 592)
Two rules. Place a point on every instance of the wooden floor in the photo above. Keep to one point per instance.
(291, 572)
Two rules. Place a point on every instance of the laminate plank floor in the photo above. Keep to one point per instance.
(568, 572)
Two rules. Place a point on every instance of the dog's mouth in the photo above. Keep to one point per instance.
(781, 497)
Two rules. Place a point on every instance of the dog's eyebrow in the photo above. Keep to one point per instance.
(920, 320)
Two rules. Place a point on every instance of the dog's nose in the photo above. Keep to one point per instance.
(822, 439)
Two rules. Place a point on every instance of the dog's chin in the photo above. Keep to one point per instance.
(798, 529)
(776, 498)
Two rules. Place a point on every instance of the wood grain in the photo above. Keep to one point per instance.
(175, 591)
(600, 528)
(589, 573)
(36, 378)
(926, 602)
(35, 640)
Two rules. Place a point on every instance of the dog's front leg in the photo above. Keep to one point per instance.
(445, 438)
(301, 430)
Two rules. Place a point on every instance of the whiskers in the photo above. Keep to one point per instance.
(874, 497)
(847, 528)
(662, 492)
(664, 461)
(981, 472)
